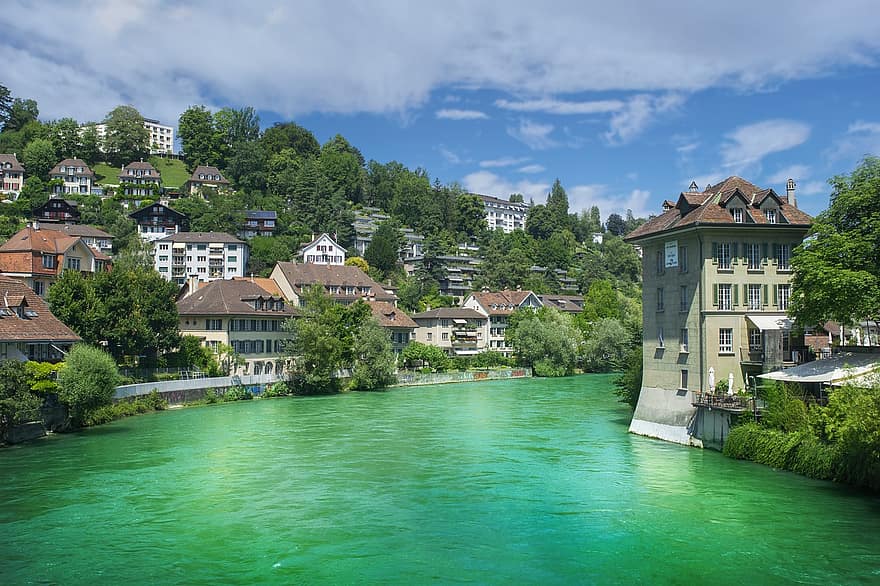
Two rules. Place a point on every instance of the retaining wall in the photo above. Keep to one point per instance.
(411, 379)
(178, 392)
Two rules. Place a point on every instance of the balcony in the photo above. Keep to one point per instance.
(730, 403)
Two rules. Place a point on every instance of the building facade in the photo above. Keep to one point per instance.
(205, 176)
(504, 215)
(400, 327)
(140, 179)
(716, 288)
(28, 330)
(11, 175)
(207, 256)
(458, 331)
(161, 136)
(345, 284)
(158, 221)
(258, 223)
(74, 176)
(497, 307)
(323, 250)
(58, 210)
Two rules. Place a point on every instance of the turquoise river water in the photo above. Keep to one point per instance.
(507, 482)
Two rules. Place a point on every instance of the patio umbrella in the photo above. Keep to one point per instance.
(712, 379)
(730, 384)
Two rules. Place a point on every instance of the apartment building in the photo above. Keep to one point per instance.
(74, 175)
(716, 288)
(161, 136)
(497, 306)
(345, 284)
(11, 175)
(400, 327)
(504, 215)
(366, 222)
(207, 256)
(258, 223)
(459, 331)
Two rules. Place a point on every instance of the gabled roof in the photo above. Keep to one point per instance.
(56, 170)
(39, 240)
(301, 276)
(265, 283)
(145, 212)
(501, 302)
(207, 170)
(316, 240)
(230, 297)
(708, 207)
(390, 316)
(261, 215)
(202, 237)
(449, 313)
(83, 231)
(14, 165)
(566, 303)
(140, 165)
(37, 324)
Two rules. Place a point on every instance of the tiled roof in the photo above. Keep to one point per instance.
(206, 170)
(83, 230)
(140, 165)
(145, 211)
(267, 284)
(501, 302)
(39, 326)
(204, 237)
(261, 215)
(38, 240)
(708, 207)
(390, 316)
(449, 313)
(56, 170)
(567, 303)
(303, 275)
(228, 297)
(13, 161)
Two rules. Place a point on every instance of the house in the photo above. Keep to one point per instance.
(205, 176)
(572, 304)
(58, 210)
(366, 222)
(258, 223)
(74, 175)
(458, 331)
(28, 330)
(158, 221)
(323, 250)
(400, 327)
(345, 284)
(497, 307)
(241, 314)
(93, 237)
(716, 272)
(207, 256)
(140, 179)
(11, 175)
(504, 215)
(38, 255)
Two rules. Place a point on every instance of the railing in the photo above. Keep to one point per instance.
(723, 402)
(750, 356)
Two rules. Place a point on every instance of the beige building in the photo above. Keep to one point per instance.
(400, 327)
(716, 287)
(74, 177)
(11, 175)
(241, 314)
(459, 331)
(497, 307)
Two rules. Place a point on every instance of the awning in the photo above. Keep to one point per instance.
(770, 322)
(832, 370)
(459, 321)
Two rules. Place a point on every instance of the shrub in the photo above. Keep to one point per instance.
(237, 393)
(87, 381)
(277, 389)
(114, 411)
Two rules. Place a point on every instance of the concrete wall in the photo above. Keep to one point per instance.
(666, 415)
(407, 379)
(177, 392)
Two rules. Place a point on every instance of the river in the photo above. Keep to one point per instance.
(518, 481)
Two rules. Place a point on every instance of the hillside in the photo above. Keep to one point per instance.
(174, 173)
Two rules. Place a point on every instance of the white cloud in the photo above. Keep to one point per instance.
(583, 197)
(453, 114)
(533, 134)
(796, 172)
(637, 114)
(864, 127)
(451, 157)
(861, 138)
(329, 57)
(489, 183)
(747, 145)
(813, 188)
(503, 162)
(551, 106)
(531, 169)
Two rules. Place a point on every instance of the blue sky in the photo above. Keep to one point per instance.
(624, 102)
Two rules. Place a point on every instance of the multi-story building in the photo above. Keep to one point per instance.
(28, 330)
(459, 331)
(58, 210)
(94, 238)
(400, 327)
(75, 177)
(323, 250)
(258, 223)
(345, 284)
(497, 307)
(161, 136)
(457, 272)
(205, 177)
(716, 288)
(241, 314)
(158, 221)
(140, 179)
(367, 220)
(37, 256)
(11, 175)
(572, 304)
(504, 215)
(207, 256)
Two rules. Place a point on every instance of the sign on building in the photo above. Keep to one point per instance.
(672, 254)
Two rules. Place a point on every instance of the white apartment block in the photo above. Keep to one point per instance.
(206, 256)
(506, 215)
(161, 136)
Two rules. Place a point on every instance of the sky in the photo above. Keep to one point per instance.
(624, 102)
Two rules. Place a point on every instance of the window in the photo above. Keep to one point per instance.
(755, 297)
(683, 340)
(682, 259)
(39, 287)
(756, 340)
(199, 247)
(660, 261)
(163, 269)
(48, 261)
(73, 264)
(430, 336)
(444, 336)
(770, 215)
(232, 259)
(660, 299)
(683, 298)
(163, 247)
(753, 256)
(737, 215)
(724, 297)
(233, 247)
(213, 324)
(725, 341)
(661, 343)
(783, 293)
(684, 380)
(723, 255)
(202, 258)
(783, 257)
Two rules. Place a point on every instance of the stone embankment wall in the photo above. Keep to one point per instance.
(178, 392)
(410, 379)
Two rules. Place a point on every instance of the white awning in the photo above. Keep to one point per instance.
(459, 321)
(770, 322)
(832, 370)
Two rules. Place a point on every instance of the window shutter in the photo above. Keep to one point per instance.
(715, 254)
(775, 295)
(735, 294)
(715, 294)
(764, 299)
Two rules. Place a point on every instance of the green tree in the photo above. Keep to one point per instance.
(200, 139)
(87, 381)
(383, 251)
(601, 302)
(237, 126)
(546, 339)
(127, 139)
(266, 251)
(541, 222)
(5, 105)
(516, 198)
(17, 402)
(289, 135)
(837, 268)
(606, 346)
(65, 137)
(39, 157)
(90, 147)
(374, 361)
(470, 217)
(616, 225)
(417, 354)
(628, 386)
(557, 205)
(20, 113)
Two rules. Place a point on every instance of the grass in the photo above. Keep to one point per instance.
(174, 173)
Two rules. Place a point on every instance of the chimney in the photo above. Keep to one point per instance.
(789, 192)
(693, 187)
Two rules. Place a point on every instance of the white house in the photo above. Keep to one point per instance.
(323, 250)
(497, 307)
(207, 256)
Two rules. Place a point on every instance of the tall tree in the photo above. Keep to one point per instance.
(199, 137)
(20, 113)
(289, 135)
(127, 138)
(5, 105)
(39, 157)
(65, 136)
(373, 359)
(383, 251)
(236, 126)
(837, 268)
(557, 205)
(470, 217)
(90, 146)
(616, 225)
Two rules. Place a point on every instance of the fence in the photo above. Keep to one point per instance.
(177, 392)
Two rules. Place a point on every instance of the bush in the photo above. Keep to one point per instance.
(87, 381)
(237, 393)
(489, 359)
(784, 410)
(114, 411)
(277, 389)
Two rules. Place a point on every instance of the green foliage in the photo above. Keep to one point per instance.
(557, 205)
(107, 413)
(374, 362)
(18, 402)
(277, 389)
(126, 139)
(384, 249)
(39, 157)
(87, 381)
(21, 113)
(784, 409)
(546, 339)
(629, 383)
(797, 451)
(606, 345)
(416, 354)
(42, 377)
(490, 359)
(199, 137)
(837, 268)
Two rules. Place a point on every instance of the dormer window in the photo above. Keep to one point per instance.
(737, 215)
(770, 215)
